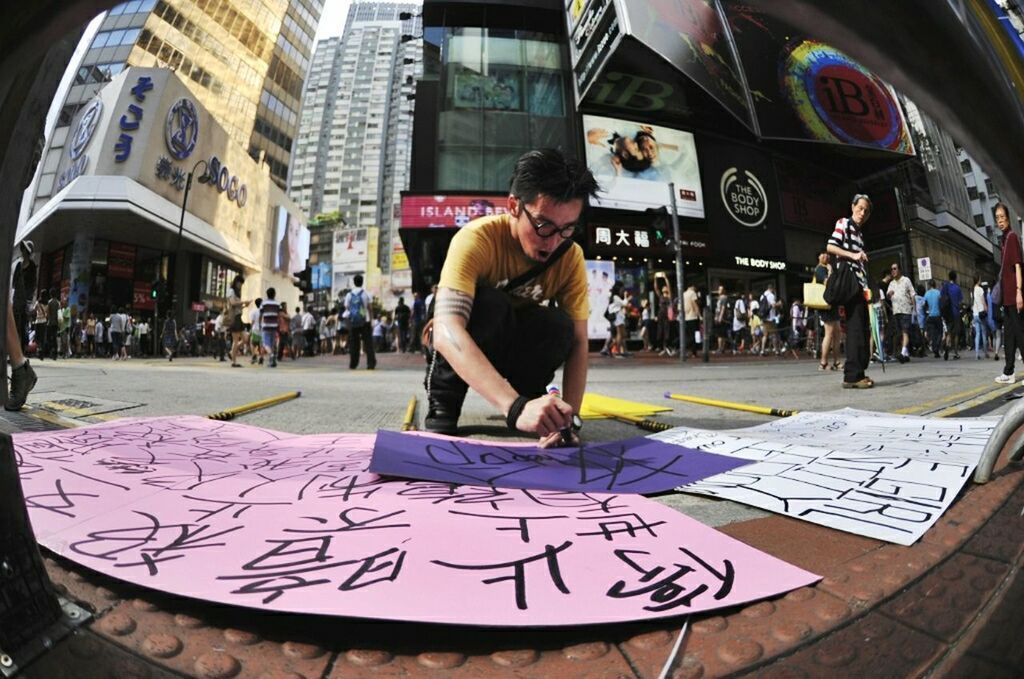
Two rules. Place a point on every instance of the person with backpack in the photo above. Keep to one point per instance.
(360, 325)
(950, 300)
(491, 331)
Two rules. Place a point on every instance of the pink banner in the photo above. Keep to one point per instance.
(250, 517)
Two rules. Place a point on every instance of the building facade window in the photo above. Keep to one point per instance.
(504, 93)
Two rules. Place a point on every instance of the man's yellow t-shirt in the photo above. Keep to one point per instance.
(484, 252)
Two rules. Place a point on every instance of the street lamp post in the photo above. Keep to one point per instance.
(179, 265)
(681, 312)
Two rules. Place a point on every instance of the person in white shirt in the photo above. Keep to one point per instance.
(904, 306)
(740, 330)
(979, 309)
(770, 317)
(117, 334)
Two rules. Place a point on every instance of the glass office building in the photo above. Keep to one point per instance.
(244, 61)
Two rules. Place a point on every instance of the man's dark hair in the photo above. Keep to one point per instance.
(549, 172)
(271, 293)
(952, 275)
(920, 289)
(358, 280)
(259, 302)
(931, 284)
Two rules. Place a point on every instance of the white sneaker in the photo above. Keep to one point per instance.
(1007, 379)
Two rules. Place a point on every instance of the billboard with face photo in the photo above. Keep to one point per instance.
(635, 162)
(291, 243)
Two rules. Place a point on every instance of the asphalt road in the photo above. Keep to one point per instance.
(336, 399)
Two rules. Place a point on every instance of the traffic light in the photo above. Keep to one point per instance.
(661, 227)
(158, 290)
(305, 283)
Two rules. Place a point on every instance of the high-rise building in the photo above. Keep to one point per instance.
(244, 61)
(352, 150)
(982, 192)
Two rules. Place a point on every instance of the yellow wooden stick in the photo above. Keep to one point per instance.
(232, 413)
(409, 424)
(760, 410)
(648, 425)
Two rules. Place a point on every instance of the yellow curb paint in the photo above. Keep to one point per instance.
(921, 407)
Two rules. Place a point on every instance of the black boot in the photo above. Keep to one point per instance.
(443, 412)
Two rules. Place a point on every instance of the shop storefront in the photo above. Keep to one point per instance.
(117, 229)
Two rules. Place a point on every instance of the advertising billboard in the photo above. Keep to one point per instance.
(291, 243)
(690, 35)
(452, 212)
(743, 208)
(351, 250)
(635, 162)
(600, 278)
(805, 89)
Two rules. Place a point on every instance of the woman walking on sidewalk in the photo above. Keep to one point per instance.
(170, 335)
(234, 310)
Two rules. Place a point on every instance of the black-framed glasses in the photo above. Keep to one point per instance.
(546, 229)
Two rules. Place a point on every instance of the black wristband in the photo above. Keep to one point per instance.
(515, 410)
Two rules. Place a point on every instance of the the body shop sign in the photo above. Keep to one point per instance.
(452, 212)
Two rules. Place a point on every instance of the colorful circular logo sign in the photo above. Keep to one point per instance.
(838, 100)
(182, 129)
(744, 197)
(82, 135)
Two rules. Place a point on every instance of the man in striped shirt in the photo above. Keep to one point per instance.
(269, 325)
(847, 244)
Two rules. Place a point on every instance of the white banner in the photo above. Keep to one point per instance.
(888, 477)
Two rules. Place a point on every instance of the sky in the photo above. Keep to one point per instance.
(332, 21)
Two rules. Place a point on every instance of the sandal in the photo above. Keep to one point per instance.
(823, 365)
(836, 366)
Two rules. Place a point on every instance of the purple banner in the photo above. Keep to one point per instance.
(638, 465)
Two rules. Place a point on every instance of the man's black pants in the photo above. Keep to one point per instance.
(525, 345)
(358, 336)
(1013, 337)
(857, 353)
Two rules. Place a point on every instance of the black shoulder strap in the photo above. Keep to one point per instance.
(540, 268)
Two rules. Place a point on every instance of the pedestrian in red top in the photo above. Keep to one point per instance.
(1010, 283)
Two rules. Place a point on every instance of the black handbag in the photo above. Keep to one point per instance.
(842, 286)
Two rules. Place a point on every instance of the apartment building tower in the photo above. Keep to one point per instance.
(352, 152)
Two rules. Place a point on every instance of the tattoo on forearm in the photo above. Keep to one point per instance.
(450, 336)
(453, 303)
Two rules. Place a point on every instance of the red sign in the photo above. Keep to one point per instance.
(121, 260)
(198, 306)
(428, 212)
(141, 298)
(57, 267)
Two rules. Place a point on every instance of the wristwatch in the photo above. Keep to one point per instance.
(577, 423)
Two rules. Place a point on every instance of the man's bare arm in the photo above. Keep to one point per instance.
(452, 309)
(574, 375)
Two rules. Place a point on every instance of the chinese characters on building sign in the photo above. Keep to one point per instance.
(130, 120)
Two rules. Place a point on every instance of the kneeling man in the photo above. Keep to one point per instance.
(492, 330)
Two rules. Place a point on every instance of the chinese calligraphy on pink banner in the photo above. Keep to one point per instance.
(251, 517)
